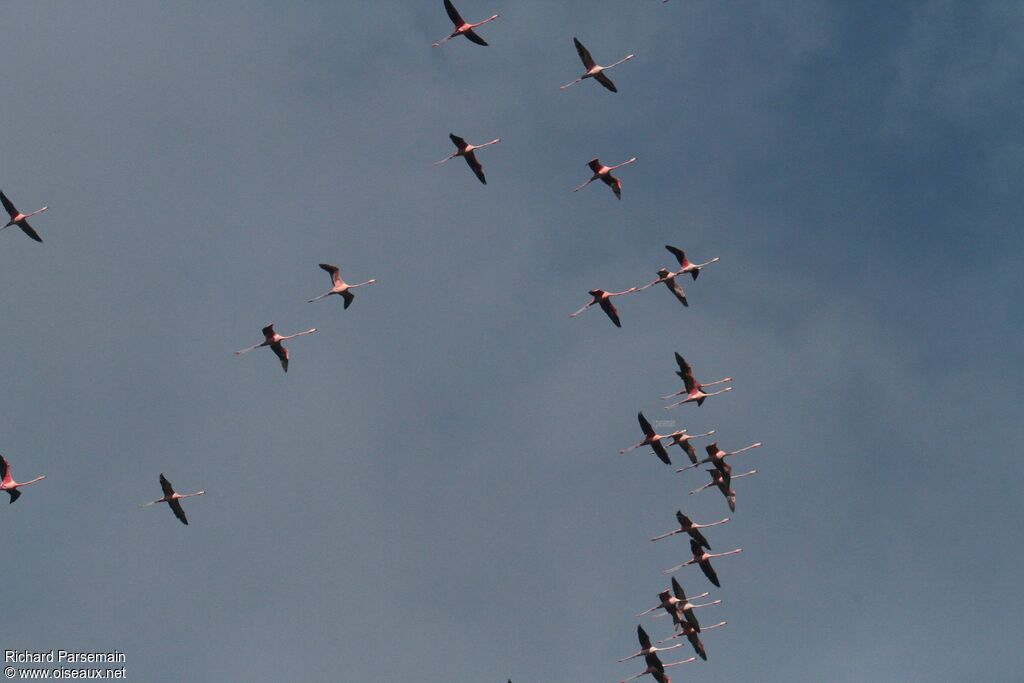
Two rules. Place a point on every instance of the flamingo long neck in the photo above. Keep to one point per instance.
(39, 478)
(29, 215)
(714, 260)
(624, 59)
(299, 334)
(706, 604)
(744, 449)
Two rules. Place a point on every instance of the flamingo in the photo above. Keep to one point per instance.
(656, 669)
(604, 174)
(21, 219)
(723, 480)
(679, 607)
(669, 278)
(687, 526)
(273, 340)
(685, 266)
(682, 439)
(693, 389)
(716, 456)
(467, 151)
(7, 482)
(645, 644)
(172, 498)
(604, 299)
(594, 70)
(651, 438)
(703, 558)
(341, 288)
(462, 27)
(690, 633)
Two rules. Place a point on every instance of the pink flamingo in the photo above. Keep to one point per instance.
(656, 669)
(716, 456)
(693, 389)
(685, 266)
(467, 151)
(645, 644)
(20, 219)
(679, 607)
(687, 526)
(172, 498)
(723, 480)
(604, 174)
(594, 70)
(462, 27)
(604, 299)
(682, 439)
(7, 482)
(669, 278)
(273, 340)
(341, 288)
(703, 558)
(651, 438)
(690, 633)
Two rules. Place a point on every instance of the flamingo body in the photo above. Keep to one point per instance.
(7, 482)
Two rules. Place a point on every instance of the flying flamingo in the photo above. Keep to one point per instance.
(669, 278)
(341, 288)
(651, 438)
(685, 266)
(723, 480)
(693, 389)
(7, 482)
(172, 498)
(595, 70)
(467, 151)
(645, 643)
(604, 174)
(656, 669)
(273, 340)
(682, 439)
(703, 558)
(716, 456)
(604, 299)
(20, 219)
(462, 27)
(686, 526)
(679, 607)
(690, 633)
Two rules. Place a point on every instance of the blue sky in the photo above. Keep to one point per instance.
(433, 491)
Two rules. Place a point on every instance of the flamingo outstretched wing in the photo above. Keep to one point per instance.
(603, 79)
(477, 167)
(609, 308)
(179, 511)
(29, 230)
(453, 13)
(8, 205)
(334, 272)
(282, 354)
(165, 486)
(584, 54)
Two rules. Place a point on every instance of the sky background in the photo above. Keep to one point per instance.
(433, 491)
